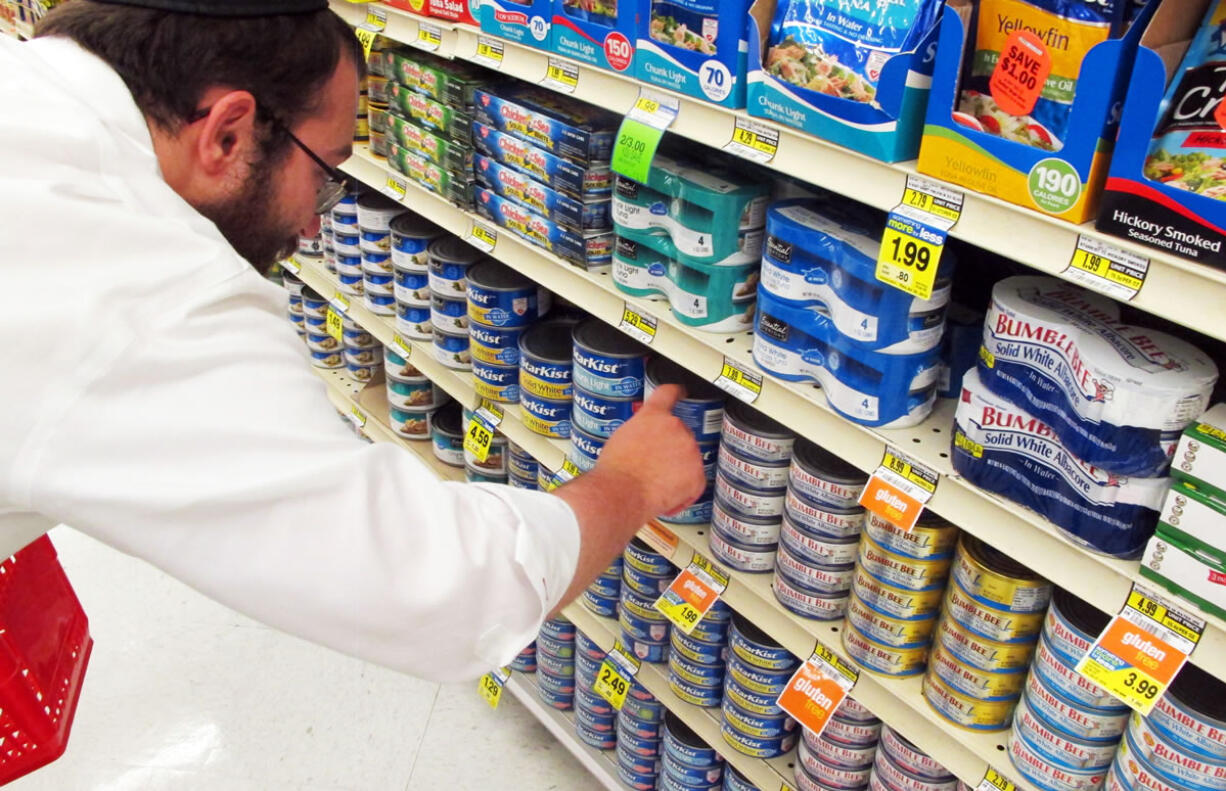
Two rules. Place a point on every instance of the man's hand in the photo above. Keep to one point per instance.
(656, 457)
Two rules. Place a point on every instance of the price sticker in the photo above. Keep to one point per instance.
(429, 37)
(995, 781)
(1020, 73)
(616, 675)
(1107, 269)
(479, 437)
(489, 52)
(374, 24)
(1142, 649)
(334, 324)
(638, 325)
(490, 412)
(568, 472)
(396, 187)
(736, 381)
(933, 198)
(660, 538)
(753, 140)
(914, 238)
(817, 689)
(357, 416)
(291, 265)
(640, 133)
(340, 302)
(491, 684)
(482, 237)
(403, 348)
(899, 488)
(693, 593)
(561, 75)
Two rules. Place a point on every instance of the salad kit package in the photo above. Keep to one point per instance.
(1022, 98)
(455, 10)
(696, 47)
(852, 73)
(600, 32)
(1167, 185)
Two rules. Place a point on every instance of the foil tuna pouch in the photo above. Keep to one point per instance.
(837, 47)
(1189, 145)
(1061, 31)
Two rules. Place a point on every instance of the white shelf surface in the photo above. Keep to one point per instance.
(767, 775)
(1020, 533)
(1177, 289)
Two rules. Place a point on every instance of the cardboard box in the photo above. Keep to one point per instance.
(581, 183)
(603, 40)
(688, 62)
(888, 129)
(590, 250)
(1184, 567)
(512, 183)
(1065, 183)
(1200, 456)
(1193, 514)
(576, 132)
(526, 22)
(1142, 209)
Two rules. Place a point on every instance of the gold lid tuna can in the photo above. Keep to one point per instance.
(905, 572)
(996, 580)
(894, 601)
(965, 711)
(1002, 626)
(979, 652)
(881, 658)
(975, 682)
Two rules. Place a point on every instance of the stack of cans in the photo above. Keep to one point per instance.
(640, 733)
(444, 321)
(697, 662)
(702, 412)
(412, 399)
(890, 617)
(346, 258)
(375, 215)
(411, 236)
(842, 756)
(750, 484)
(690, 764)
(326, 351)
(644, 629)
(595, 717)
(544, 375)
(555, 663)
(606, 588)
(363, 353)
(901, 766)
(608, 382)
(735, 781)
(294, 285)
(501, 305)
(821, 524)
(758, 671)
(1051, 750)
(525, 660)
(997, 605)
(523, 470)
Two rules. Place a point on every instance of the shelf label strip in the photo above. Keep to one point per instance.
(561, 75)
(429, 37)
(753, 140)
(995, 781)
(489, 52)
(637, 324)
(735, 380)
(1107, 269)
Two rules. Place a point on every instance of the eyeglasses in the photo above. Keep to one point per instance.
(337, 184)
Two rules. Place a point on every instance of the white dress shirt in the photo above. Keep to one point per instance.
(156, 397)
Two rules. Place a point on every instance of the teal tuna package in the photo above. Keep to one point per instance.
(823, 254)
(703, 296)
(1059, 31)
(700, 213)
(838, 47)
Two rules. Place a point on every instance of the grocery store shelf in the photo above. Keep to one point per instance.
(1020, 533)
(1176, 289)
(458, 384)
(601, 764)
(897, 701)
(765, 774)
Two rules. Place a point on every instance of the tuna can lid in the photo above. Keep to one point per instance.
(312, 294)
(1084, 617)
(1201, 692)
(377, 202)
(452, 250)
(447, 420)
(549, 340)
(600, 338)
(683, 733)
(752, 633)
(662, 370)
(821, 463)
(994, 560)
(497, 276)
(754, 422)
(416, 226)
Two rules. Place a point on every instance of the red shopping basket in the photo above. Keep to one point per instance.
(44, 647)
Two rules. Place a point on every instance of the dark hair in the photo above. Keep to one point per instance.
(168, 60)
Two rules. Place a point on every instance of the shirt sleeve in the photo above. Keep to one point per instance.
(209, 449)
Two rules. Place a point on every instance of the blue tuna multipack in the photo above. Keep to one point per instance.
(522, 21)
(856, 74)
(579, 182)
(587, 250)
(1115, 395)
(1004, 449)
(866, 386)
(695, 47)
(823, 254)
(510, 182)
(600, 32)
(562, 126)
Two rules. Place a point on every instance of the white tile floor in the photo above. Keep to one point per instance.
(185, 694)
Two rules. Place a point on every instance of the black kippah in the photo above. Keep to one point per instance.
(228, 8)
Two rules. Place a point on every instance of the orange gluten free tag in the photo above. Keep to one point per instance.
(1019, 75)
(817, 689)
(899, 489)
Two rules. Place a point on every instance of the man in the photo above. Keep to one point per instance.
(156, 398)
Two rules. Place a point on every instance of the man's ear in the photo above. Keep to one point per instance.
(226, 133)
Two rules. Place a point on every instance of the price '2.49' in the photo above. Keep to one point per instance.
(614, 681)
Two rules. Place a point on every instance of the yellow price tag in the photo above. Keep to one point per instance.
(909, 256)
(1106, 268)
(916, 474)
(367, 37)
(647, 105)
(357, 416)
(753, 140)
(615, 676)
(561, 75)
(995, 781)
(334, 325)
(291, 264)
(478, 439)
(638, 325)
(693, 593)
(963, 442)
(925, 201)
(1100, 266)
(340, 302)
(396, 187)
(429, 37)
(482, 237)
(490, 686)
(489, 52)
(736, 381)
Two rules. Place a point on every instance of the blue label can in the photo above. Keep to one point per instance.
(687, 747)
(494, 345)
(647, 651)
(545, 361)
(559, 629)
(604, 607)
(644, 584)
(704, 697)
(449, 315)
(412, 288)
(561, 649)
(710, 676)
(452, 350)
(585, 448)
(702, 409)
(679, 777)
(607, 363)
(696, 650)
(562, 701)
(752, 646)
(593, 738)
(498, 296)
(547, 418)
(411, 236)
(749, 700)
(601, 415)
(414, 322)
(496, 382)
(641, 557)
(642, 629)
(639, 764)
(647, 730)
(559, 685)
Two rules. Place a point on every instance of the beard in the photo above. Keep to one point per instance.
(249, 220)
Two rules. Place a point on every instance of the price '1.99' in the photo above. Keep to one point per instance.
(911, 253)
